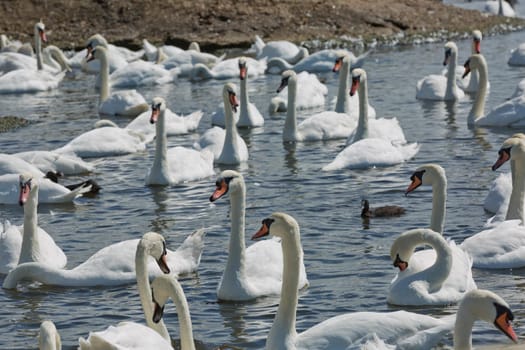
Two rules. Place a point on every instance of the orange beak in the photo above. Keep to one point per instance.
(242, 72)
(234, 102)
(220, 190)
(337, 65)
(43, 36)
(477, 46)
(355, 86)
(263, 231)
(154, 115)
(24, 193)
(504, 155)
(503, 324)
(416, 182)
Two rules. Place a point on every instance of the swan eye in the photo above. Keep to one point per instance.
(267, 222)
(505, 150)
(27, 183)
(418, 175)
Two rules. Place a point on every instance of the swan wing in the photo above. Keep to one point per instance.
(53, 161)
(10, 246)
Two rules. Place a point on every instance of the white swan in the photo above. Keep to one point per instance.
(503, 244)
(310, 94)
(248, 116)
(510, 113)
(227, 69)
(321, 61)
(284, 49)
(52, 161)
(254, 271)
(386, 129)
(473, 82)
(517, 56)
(437, 87)
(344, 102)
(326, 125)
(163, 288)
(111, 266)
(445, 281)
(127, 103)
(53, 59)
(48, 337)
(500, 8)
(227, 146)
(20, 244)
(29, 80)
(339, 332)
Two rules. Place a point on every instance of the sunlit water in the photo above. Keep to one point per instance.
(348, 265)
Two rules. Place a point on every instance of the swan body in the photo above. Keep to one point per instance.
(141, 73)
(178, 164)
(344, 102)
(440, 88)
(497, 199)
(499, 7)
(311, 93)
(227, 69)
(250, 272)
(520, 89)
(322, 126)
(284, 49)
(445, 281)
(28, 242)
(517, 56)
(103, 142)
(56, 162)
(319, 62)
(111, 266)
(48, 337)
(502, 244)
(176, 57)
(53, 58)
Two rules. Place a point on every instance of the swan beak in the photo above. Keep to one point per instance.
(233, 101)
(355, 86)
(477, 45)
(416, 182)
(337, 65)
(158, 312)
(43, 36)
(284, 83)
(154, 115)
(242, 72)
(263, 231)
(467, 71)
(504, 155)
(163, 264)
(402, 265)
(89, 48)
(447, 57)
(25, 188)
(502, 323)
(220, 190)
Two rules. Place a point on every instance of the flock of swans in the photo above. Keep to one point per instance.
(441, 275)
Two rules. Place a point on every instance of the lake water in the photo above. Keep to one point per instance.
(348, 265)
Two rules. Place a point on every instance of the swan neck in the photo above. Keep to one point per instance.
(342, 104)
(244, 99)
(38, 50)
(450, 91)
(160, 163)
(439, 199)
(30, 250)
(146, 298)
(515, 209)
(463, 330)
(237, 245)
(290, 124)
(362, 123)
(104, 78)
(283, 328)
(478, 108)
(183, 314)
(230, 146)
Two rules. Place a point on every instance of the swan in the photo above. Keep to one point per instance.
(54, 61)
(326, 125)
(500, 8)
(517, 56)
(310, 94)
(284, 49)
(437, 87)
(20, 244)
(29, 80)
(520, 89)
(249, 116)
(59, 163)
(178, 164)
(387, 129)
(111, 266)
(510, 113)
(503, 244)
(227, 146)
(444, 282)
(48, 337)
(319, 62)
(176, 57)
(344, 102)
(473, 82)
(227, 69)
(338, 332)
(256, 271)
(163, 288)
(127, 103)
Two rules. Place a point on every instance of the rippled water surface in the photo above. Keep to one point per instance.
(348, 265)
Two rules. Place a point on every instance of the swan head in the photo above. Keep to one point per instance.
(40, 28)
(285, 79)
(228, 181)
(229, 94)
(474, 62)
(27, 184)
(153, 244)
(342, 57)
(194, 46)
(158, 105)
(160, 292)
(243, 68)
(279, 225)
(98, 53)
(512, 148)
(48, 337)
(94, 41)
(403, 247)
(450, 50)
(358, 77)
(490, 307)
(427, 174)
(476, 41)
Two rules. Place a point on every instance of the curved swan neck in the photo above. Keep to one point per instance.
(183, 315)
(30, 250)
(463, 329)
(146, 298)
(362, 124)
(478, 108)
(439, 199)
(290, 124)
(38, 50)
(343, 100)
(451, 76)
(283, 329)
(104, 77)
(517, 201)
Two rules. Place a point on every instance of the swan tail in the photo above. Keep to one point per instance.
(257, 46)
(136, 110)
(360, 60)
(277, 104)
(277, 65)
(191, 250)
(192, 120)
(84, 187)
(220, 58)
(105, 122)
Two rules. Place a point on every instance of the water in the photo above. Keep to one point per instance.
(348, 266)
